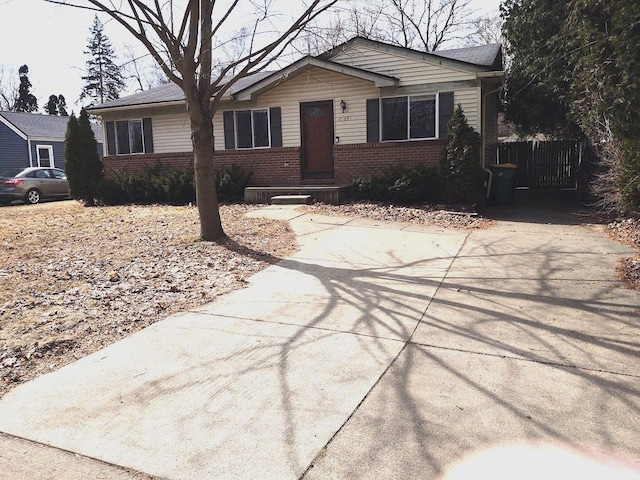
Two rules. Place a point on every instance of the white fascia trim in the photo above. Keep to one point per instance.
(100, 111)
(13, 127)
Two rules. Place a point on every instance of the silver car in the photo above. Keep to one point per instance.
(33, 184)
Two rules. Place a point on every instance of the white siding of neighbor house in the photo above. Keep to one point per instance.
(409, 71)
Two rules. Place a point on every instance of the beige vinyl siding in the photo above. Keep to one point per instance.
(171, 129)
(318, 85)
(315, 85)
(469, 98)
(408, 70)
(171, 133)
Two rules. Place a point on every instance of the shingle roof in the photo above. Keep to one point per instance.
(484, 55)
(43, 126)
(171, 92)
(481, 56)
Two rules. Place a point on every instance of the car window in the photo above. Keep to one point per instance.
(43, 174)
(10, 172)
(59, 174)
(33, 174)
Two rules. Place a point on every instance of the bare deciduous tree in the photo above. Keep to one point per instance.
(424, 25)
(8, 89)
(182, 38)
(143, 73)
(484, 31)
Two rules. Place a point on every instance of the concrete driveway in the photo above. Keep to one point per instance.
(379, 350)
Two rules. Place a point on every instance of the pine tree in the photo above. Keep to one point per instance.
(26, 101)
(62, 106)
(460, 168)
(56, 105)
(82, 163)
(104, 79)
(51, 107)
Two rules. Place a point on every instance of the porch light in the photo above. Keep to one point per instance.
(343, 105)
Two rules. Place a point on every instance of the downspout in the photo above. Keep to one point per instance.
(30, 154)
(484, 138)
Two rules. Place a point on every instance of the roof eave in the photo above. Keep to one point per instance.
(252, 91)
(498, 74)
(98, 110)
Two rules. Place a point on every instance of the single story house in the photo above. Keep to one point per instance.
(35, 140)
(323, 120)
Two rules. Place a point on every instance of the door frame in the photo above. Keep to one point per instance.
(322, 175)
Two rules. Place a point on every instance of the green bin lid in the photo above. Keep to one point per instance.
(504, 165)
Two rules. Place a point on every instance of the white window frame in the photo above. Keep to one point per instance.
(409, 97)
(253, 132)
(50, 149)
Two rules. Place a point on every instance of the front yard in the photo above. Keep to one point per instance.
(75, 279)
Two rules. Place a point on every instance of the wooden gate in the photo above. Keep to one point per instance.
(552, 164)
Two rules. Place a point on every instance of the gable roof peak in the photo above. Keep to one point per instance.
(481, 55)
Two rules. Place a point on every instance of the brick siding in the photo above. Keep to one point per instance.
(281, 166)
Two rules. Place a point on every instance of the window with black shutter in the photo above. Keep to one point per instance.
(129, 136)
(257, 128)
(408, 117)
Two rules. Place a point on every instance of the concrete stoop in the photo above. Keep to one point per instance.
(333, 194)
(292, 200)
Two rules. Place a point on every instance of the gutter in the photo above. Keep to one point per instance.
(487, 76)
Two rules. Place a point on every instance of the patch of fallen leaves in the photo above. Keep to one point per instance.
(628, 231)
(75, 279)
(437, 216)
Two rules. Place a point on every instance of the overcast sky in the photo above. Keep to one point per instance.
(51, 40)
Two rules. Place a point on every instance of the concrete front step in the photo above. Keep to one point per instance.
(334, 194)
(291, 200)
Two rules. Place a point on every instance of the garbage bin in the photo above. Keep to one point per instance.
(503, 183)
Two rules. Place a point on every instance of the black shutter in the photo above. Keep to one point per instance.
(276, 126)
(373, 120)
(446, 111)
(111, 138)
(229, 131)
(148, 135)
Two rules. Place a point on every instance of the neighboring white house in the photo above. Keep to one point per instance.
(347, 113)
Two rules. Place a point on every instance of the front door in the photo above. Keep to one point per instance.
(316, 119)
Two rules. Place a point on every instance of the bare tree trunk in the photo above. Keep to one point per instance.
(206, 196)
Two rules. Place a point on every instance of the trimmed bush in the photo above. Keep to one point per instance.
(161, 185)
(399, 185)
(460, 170)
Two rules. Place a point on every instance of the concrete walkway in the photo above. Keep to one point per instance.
(379, 350)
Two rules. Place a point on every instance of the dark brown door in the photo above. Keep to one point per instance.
(316, 119)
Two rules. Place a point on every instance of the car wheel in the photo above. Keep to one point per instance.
(32, 196)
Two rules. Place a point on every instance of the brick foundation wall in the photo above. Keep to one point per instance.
(370, 159)
(270, 166)
(281, 166)
(140, 162)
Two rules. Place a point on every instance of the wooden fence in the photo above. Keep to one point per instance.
(551, 164)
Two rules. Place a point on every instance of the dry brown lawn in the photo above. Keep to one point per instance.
(74, 279)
